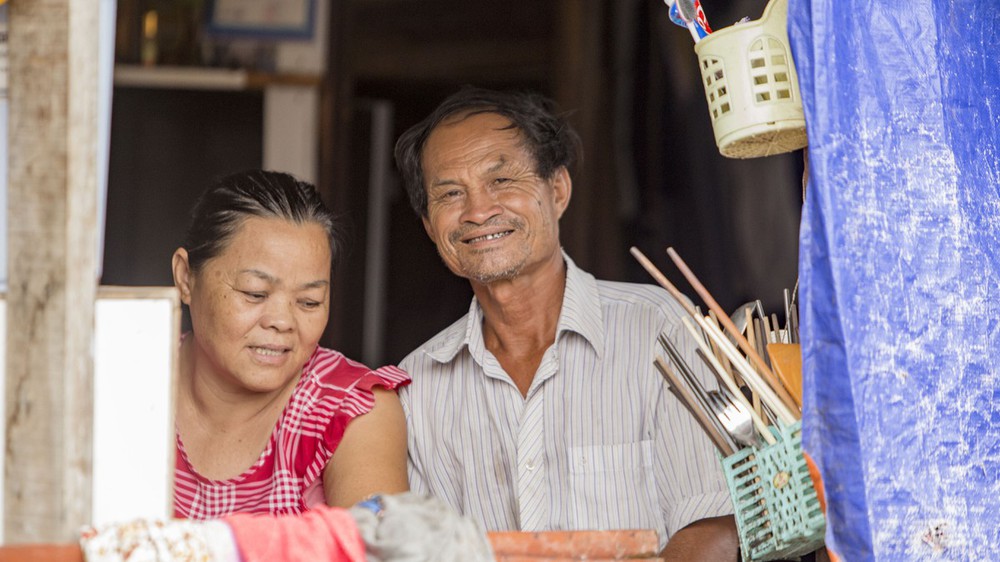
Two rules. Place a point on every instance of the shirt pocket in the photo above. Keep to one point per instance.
(612, 486)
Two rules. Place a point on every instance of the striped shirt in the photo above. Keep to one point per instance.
(287, 477)
(598, 443)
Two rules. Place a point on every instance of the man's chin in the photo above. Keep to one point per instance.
(488, 276)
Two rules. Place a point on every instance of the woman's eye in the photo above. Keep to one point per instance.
(310, 305)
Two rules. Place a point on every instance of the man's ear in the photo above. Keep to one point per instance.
(428, 227)
(562, 189)
(183, 278)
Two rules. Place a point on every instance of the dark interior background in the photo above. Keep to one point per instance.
(627, 77)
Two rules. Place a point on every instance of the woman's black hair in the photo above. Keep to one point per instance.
(546, 135)
(229, 201)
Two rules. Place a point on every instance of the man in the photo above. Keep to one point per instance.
(541, 408)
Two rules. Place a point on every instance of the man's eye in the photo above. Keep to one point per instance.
(310, 305)
(254, 295)
(499, 181)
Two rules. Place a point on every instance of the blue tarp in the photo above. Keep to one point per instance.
(900, 273)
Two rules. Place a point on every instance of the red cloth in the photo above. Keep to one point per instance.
(287, 477)
(324, 534)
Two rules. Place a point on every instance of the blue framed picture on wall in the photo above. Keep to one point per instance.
(262, 19)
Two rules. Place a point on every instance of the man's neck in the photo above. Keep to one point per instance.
(520, 319)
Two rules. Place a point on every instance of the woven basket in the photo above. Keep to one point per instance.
(777, 511)
(752, 88)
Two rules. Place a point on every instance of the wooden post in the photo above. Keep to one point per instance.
(53, 46)
(580, 84)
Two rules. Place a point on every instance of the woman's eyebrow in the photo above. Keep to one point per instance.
(260, 275)
(319, 283)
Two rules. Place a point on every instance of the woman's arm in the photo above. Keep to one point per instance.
(371, 458)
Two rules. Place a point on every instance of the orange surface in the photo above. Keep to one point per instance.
(817, 481)
(513, 546)
(516, 558)
(41, 553)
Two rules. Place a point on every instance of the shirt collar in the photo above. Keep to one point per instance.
(581, 308)
(581, 313)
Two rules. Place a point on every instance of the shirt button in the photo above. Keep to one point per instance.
(530, 465)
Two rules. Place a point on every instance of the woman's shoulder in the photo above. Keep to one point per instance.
(335, 389)
(331, 368)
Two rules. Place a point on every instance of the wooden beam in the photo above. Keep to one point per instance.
(53, 46)
(480, 60)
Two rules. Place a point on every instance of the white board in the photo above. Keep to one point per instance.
(135, 357)
(135, 360)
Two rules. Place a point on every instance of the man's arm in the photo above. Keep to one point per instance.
(707, 540)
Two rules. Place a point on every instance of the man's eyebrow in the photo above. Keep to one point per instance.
(439, 183)
(319, 283)
(502, 162)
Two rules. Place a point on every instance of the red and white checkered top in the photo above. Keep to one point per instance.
(287, 478)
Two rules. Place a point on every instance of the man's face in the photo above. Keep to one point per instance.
(490, 215)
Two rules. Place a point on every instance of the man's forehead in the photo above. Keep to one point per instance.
(466, 114)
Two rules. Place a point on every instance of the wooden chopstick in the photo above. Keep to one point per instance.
(664, 282)
(754, 357)
(700, 415)
(767, 393)
(715, 349)
(752, 339)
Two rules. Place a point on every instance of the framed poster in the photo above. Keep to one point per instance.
(262, 19)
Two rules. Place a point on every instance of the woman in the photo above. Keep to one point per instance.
(268, 421)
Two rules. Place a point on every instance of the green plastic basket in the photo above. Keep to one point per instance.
(777, 512)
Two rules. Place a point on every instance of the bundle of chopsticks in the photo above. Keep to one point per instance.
(750, 396)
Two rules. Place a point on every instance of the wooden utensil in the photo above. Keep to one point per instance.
(786, 358)
(785, 398)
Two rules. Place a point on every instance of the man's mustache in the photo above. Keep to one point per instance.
(505, 224)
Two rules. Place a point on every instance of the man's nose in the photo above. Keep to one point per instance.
(480, 206)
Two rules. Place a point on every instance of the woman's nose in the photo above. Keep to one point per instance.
(278, 316)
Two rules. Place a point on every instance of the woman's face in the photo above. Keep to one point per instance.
(258, 309)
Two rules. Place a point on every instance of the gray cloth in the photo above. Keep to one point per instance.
(411, 527)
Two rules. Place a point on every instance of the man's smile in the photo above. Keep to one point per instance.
(488, 237)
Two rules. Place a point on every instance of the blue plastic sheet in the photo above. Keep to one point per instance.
(900, 273)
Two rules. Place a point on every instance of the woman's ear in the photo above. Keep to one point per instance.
(183, 278)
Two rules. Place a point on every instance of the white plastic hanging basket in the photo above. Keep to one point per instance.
(751, 86)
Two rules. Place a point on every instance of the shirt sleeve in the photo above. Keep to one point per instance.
(414, 466)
